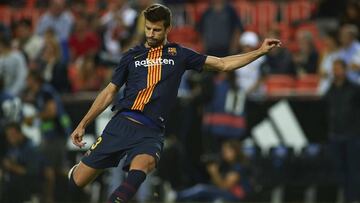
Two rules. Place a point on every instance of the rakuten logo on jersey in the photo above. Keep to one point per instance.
(153, 62)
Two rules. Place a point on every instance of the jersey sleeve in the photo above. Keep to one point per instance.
(121, 71)
(193, 60)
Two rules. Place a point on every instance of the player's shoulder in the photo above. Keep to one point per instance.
(177, 45)
(184, 50)
(134, 51)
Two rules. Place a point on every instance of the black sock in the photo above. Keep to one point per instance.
(128, 188)
(75, 192)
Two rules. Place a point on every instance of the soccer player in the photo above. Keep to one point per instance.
(151, 73)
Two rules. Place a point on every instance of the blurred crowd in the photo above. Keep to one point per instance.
(73, 47)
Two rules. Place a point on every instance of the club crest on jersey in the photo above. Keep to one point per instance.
(172, 51)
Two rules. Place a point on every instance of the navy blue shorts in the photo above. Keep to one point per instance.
(123, 137)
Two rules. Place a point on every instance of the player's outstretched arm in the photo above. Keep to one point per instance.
(233, 62)
(102, 101)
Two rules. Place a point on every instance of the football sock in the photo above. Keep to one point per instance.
(72, 184)
(74, 190)
(128, 188)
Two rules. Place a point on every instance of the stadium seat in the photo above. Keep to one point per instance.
(5, 15)
(307, 84)
(187, 36)
(266, 15)
(295, 11)
(195, 10)
(279, 85)
(30, 3)
(247, 13)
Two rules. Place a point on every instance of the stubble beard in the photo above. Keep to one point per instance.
(154, 42)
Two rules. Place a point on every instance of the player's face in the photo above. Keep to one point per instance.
(155, 33)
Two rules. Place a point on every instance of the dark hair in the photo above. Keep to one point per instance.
(333, 34)
(158, 12)
(24, 22)
(341, 62)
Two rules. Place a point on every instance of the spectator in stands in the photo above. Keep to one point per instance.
(49, 63)
(229, 178)
(306, 58)
(83, 41)
(55, 127)
(10, 107)
(78, 8)
(350, 51)
(30, 44)
(220, 28)
(352, 14)
(278, 61)
(13, 67)
(9, 112)
(84, 77)
(328, 56)
(224, 115)
(58, 19)
(343, 100)
(21, 166)
(248, 77)
(117, 23)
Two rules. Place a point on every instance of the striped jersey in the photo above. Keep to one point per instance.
(152, 77)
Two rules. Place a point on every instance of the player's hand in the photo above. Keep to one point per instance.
(269, 44)
(77, 137)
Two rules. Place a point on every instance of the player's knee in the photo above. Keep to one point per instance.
(73, 178)
(151, 165)
(145, 163)
(147, 166)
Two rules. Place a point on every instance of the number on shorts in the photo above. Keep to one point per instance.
(98, 140)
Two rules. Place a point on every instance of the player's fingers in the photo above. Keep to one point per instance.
(73, 138)
(79, 140)
(274, 40)
(76, 140)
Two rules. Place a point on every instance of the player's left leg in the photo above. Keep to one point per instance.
(79, 176)
(141, 165)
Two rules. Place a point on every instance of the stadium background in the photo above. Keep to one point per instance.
(279, 114)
